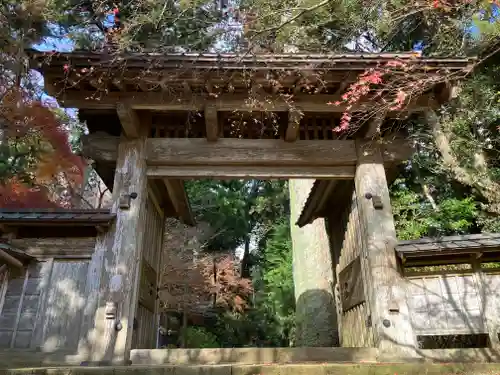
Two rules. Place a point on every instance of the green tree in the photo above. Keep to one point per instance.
(273, 281)
(240, 212)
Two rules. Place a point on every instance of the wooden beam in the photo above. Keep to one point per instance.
(211, 123)
(250, 152)
(103, 147)
(79, 247)
(163, 101)
(249, 171)
(445, 92)
(293, 128)
(178, 197)
(129, 120)
(396, 150)
(10, 259)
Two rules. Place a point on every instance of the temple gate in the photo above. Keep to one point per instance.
(155, 121)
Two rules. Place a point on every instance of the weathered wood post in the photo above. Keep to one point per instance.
(313, 275)
(392, 328)
(120, 276)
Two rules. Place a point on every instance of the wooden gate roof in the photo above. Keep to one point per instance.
(196, 95)
(188, 80)
(112, 91)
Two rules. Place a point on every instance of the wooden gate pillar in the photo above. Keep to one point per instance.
(120, 275)
(393, 333)
(313, 275)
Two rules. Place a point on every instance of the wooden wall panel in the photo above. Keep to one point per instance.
(43, 284)
(352, 307)
(56, 247)
(52, 303)
(445, 305)
(145, 333)
(93, 289)
(64, 305)
(490, 301)
(19, 312)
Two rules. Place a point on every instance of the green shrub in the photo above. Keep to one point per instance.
(198, 337)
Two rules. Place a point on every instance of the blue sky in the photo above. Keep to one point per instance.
(495, 14)
(59, 43)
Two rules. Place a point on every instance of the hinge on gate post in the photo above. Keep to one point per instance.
(368, 321)
(125, 200)
(376, 201)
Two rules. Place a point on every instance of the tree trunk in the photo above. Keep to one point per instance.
(184, 328)
(476, 177)
(313, 275)
(245, 267)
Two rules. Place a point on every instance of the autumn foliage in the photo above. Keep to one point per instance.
(392, 85)
(205, 281)
(35, 133)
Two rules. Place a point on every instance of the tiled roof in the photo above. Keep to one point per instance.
(244, 61)
(310, 207)
(448, 245)
(81, 217)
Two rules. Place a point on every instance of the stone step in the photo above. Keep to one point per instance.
(250, 356)
(275, 369)
(11, 359)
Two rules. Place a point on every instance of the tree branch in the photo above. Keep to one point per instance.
(478, 179)
(294, 18)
